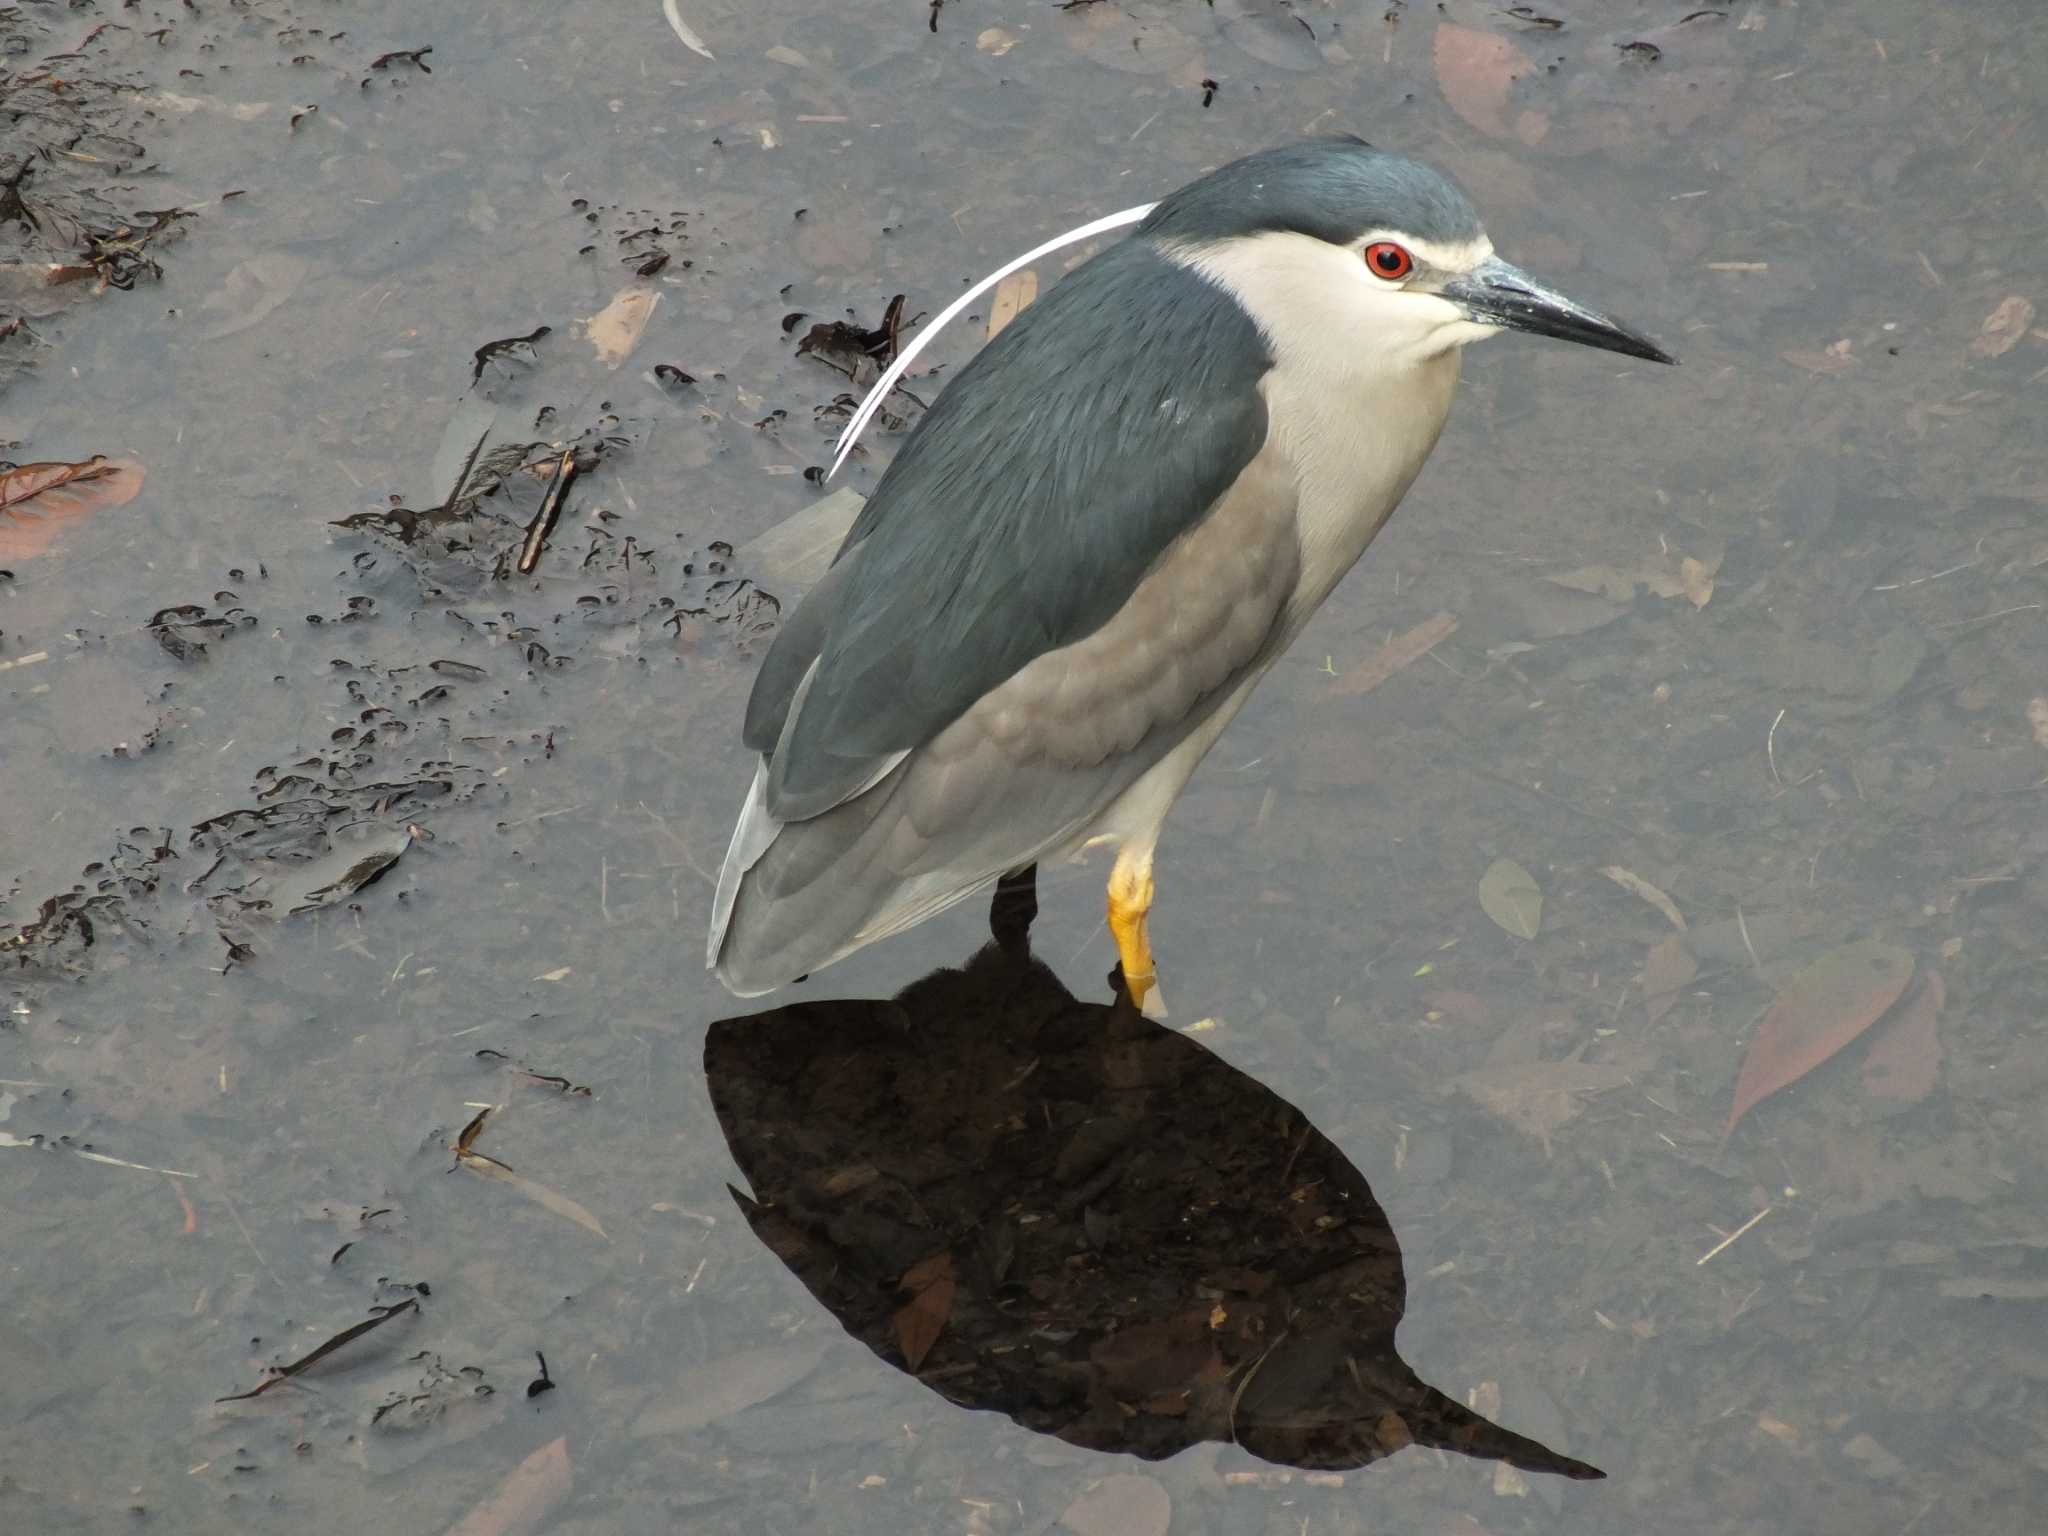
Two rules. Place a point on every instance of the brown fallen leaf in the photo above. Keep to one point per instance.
(1665, 574)
(616, 329)
(1666, 969)
(1477, 70)
(1409, 646)
(1825, 1006)
(530, 1493)
(1014, 294)
(2003, 327)
(37, 500)
(1905, 1059)
(920, 1320)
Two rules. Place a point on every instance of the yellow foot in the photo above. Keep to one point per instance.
(1130, 903)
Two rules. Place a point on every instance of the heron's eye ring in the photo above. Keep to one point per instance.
(1388, 260)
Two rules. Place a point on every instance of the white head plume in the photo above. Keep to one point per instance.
(876, 396)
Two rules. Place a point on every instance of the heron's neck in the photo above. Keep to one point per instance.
(1355, 403)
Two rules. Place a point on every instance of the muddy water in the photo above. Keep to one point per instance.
(1762, 632)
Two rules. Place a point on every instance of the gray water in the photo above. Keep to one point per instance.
(1820, 209)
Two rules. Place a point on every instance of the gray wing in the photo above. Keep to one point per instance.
(1019, 516)
(1031, 764)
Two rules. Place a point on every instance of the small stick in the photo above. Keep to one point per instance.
(1732, 1236)
(1743, 926)
(1771, 749)
(543, 522)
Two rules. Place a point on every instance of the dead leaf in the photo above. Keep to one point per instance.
(1476, 71)
(616, 329)
(530, 1493)
(1127, 1504)
(539, 1194)
(2003, 327)
(339, 873)
(1409, 646)
(1697, 580)
(1665, 574)
(920, 1320)
(1459, 1010)
(718, 1389)
(996, 41)
(1511, 897)
(1537, 1097)
(251, 291)
(1905, 1059)
(35, 289)
(1636, 885)
(1827, 1005)
(1836, 359)
(2037, 717)
(1666, 969)
(1014, 294)
(37, 500)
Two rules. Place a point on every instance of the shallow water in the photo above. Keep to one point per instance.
(1821, 212)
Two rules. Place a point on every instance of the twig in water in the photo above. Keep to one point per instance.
(543, 522)
(1743, 927)
(1730, 1238)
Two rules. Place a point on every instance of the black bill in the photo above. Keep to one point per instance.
(1498, 293)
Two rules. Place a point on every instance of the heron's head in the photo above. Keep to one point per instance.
(1336, 239)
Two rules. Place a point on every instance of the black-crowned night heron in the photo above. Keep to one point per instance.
(1098, 539)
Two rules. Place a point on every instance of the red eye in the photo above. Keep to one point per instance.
(1388, 260)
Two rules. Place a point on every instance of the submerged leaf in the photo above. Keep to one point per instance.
(530, 1493)
(1511, 897)
(718, 1389)
(1476, 71)
(340, 873)
(1905, 1060)
(1636, 885)
(36, 500)
(1538, 1097)
(1666, 970)
(539, 1194)
(1123, 1504)
(1827, 1005)
(920, 1320)
(2003, 327)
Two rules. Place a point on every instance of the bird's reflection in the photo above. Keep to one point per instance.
(1115, 1237)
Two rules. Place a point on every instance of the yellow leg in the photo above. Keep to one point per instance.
(1130, 903)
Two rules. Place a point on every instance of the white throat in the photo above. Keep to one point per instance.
(1360, 387)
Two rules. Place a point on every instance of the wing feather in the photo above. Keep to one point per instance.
(1020, 515)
